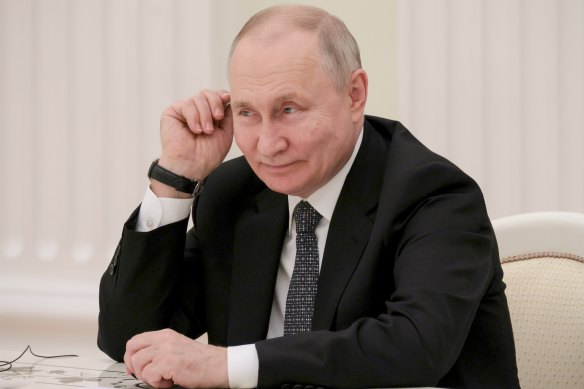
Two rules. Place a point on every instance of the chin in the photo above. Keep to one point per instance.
(286, 188)
(288, 183)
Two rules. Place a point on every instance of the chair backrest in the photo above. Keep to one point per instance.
(542, 255)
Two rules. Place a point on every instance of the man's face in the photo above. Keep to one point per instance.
(294, 128)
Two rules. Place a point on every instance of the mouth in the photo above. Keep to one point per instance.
(277, 168)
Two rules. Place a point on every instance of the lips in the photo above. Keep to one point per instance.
(277, 168)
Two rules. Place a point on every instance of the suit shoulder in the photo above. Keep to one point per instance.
(426, 192)
(402, 143)
(414, 175)
(407, 155)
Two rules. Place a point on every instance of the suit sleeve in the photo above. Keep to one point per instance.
(151, 284)
(441, 247)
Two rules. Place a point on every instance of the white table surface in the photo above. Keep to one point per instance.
(70, 372)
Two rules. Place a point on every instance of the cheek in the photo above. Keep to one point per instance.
(319, 138)
(243, 139)
(331, 146)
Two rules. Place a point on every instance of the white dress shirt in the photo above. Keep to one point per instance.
(242, 361)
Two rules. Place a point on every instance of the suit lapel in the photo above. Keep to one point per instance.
(350, 226)
(259, 235)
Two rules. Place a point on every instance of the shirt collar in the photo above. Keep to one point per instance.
(324, 199)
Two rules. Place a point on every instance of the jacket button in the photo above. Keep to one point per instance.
(298, 386)
(285, 386)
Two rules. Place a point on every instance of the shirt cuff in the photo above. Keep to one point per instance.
(157, 212)
(242, 366)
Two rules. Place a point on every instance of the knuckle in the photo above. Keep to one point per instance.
(129, 342)
(167, 334)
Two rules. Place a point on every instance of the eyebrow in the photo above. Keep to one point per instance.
(289, 96)
(238, 104)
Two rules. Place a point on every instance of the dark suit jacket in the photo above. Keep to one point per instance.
(410, 290)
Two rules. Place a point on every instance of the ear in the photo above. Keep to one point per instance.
(358, 93)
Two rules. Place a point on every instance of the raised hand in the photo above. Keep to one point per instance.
(195, 134)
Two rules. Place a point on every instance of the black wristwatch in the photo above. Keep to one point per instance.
(180, 183)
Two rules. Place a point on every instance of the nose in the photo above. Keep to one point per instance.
(271, 140)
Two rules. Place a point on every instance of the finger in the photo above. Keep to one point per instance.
(155, 376)
(225, 97)
(216, 104)
(140, 360)
(128, 363)
(182, 111)
(204, 108)
(138, 342)
(135, 345)
(188, 111)
(131, 349)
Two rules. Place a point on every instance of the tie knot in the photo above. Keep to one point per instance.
(306, 218)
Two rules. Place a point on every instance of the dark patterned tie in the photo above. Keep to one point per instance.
(304, 282)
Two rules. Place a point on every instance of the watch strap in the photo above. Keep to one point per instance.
(178, 182)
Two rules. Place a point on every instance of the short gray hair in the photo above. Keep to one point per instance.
(339, 50)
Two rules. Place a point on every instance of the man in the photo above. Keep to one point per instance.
(338, 252)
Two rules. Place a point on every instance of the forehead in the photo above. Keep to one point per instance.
(264, 59)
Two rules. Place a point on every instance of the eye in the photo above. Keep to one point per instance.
(245, 113)
(290, 109)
